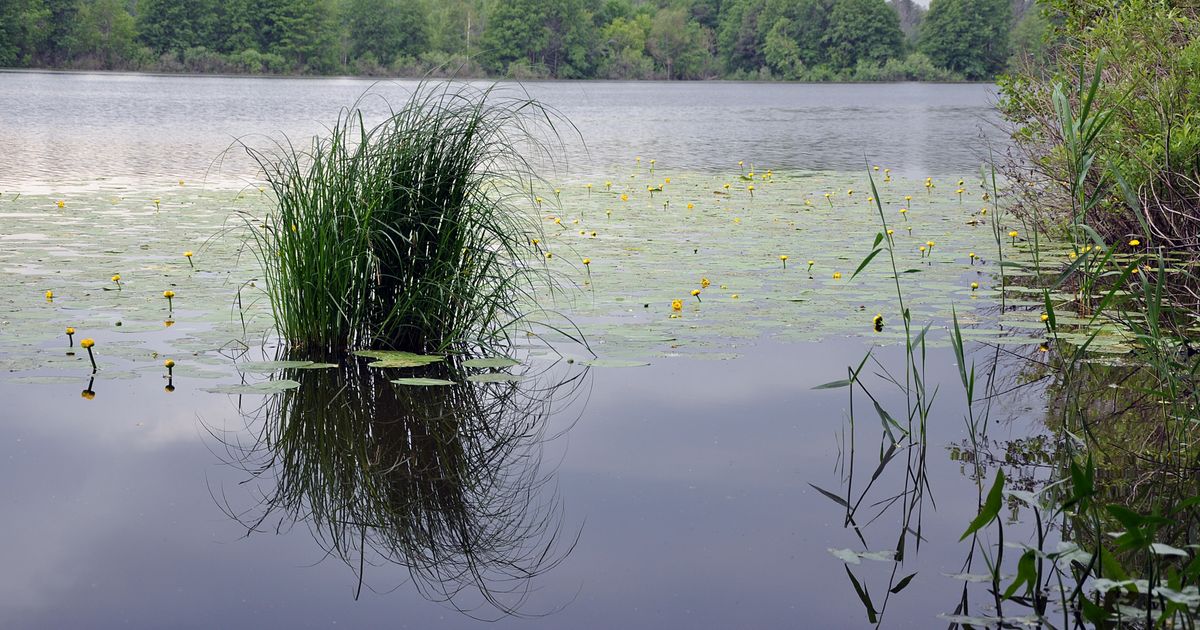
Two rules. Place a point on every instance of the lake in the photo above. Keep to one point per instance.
(683, 471)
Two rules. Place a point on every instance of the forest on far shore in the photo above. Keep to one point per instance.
(807, 40)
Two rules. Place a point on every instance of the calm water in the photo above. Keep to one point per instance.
(63, 129)
(680, 491)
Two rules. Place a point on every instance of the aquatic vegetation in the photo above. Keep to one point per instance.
(87, 344)
(188, 255)
(409, 231)
(70, 337)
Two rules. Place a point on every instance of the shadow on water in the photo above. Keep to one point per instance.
(445, 481)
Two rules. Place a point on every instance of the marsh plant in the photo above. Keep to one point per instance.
(1110, 524)
(407, 234)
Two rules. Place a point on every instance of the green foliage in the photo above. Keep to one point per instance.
(174, 25)
(862, 30)
(810, 40)
(386, 29)
(1150, 51)
(678, 45)
(105, 33)
(969, 37)
(21, 33)
(1028, 38)
(557, 36)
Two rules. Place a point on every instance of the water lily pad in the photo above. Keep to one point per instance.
(856, 557)
(272, 366)
(615, 363)
(422, 382)
(491, 362)
(265, 387)
(397, 358)
(494, 377)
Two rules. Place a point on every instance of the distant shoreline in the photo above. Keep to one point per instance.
(365, 77)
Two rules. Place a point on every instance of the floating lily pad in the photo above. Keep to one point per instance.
(491, 362)
(272, 366)
(422, 382)
(48, 380)
(615, 363)
(265, 387)
(397, 358)
(494, 377)
(856, 557)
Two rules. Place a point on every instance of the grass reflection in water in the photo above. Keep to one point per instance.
(445, 481)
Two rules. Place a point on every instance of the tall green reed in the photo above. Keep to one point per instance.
(407, 234)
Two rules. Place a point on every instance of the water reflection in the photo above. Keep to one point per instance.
(70, 123)
(446, 481)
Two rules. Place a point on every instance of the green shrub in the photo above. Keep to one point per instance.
(1150, 54)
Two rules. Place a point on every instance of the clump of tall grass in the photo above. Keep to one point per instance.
(407, 234)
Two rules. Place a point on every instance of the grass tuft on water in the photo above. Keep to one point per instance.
(408, 234)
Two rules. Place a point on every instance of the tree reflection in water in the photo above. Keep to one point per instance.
(446, 481)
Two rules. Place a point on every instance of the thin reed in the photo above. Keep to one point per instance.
(407, 234)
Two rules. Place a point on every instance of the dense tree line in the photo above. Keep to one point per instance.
(616, 39)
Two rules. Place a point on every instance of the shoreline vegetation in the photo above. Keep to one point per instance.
(489, 80)
(748, 40)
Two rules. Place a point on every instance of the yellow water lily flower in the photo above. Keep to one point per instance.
(837, 275)
(87, 343)
(704, 282)
(677, 305)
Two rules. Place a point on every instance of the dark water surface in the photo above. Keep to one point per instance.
(686, 483)
(679, 491)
